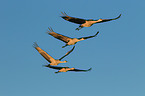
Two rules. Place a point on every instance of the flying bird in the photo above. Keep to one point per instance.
(50, 59)
(68, 40)
(85, 22)
(65, 69)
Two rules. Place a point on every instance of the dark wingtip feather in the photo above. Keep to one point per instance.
(90, 69)
(118, 16)
(97, 33)
(35, 45)
(64, 17)
(63, 14)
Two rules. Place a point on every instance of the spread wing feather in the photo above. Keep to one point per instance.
(60, 37)
(43, 53)
(74, 20)
(67, 53)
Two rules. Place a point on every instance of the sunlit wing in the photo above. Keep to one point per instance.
(60, 37)
(80, 70)
(67, 53)
(105, 20)
(43, 53)
(73, 19)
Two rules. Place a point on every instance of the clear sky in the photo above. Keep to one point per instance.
(116, 55)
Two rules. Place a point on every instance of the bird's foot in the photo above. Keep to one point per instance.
(64, 46)
(57, 72)
(77, 29)
(80, 27)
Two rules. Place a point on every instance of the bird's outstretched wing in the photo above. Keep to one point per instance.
(89, 36)
(80, 70)
(55, 67)
(43, 53)
(105, 20)
(59, 68)
(72, 19)
(67, 53)
(59, 36)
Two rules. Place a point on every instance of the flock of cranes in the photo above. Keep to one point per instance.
(68, 41)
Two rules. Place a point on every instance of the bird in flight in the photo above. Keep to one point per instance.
(50, 59)
(85, 22)
(65, 69)
(68, 40)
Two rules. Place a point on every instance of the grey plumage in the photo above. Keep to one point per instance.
(85, 22)
(66, 39)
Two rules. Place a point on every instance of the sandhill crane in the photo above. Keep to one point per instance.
(65, 69)
(68, 40)
(49, 58)
(85, 22)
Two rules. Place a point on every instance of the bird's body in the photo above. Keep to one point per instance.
(85, 22)
(56, 62)
(74, 41)
(50, 59)
(66, 39)
(65, 69)
(88, 23)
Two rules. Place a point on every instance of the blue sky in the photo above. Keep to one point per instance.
(116, 55)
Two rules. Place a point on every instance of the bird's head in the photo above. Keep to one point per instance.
(72, 68)
(65, 61)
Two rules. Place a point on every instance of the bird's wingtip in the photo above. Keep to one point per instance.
(119, 16)
(63, 14)
(97, 33)
(35, 45)
(89, 69)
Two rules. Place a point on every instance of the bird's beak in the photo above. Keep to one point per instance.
(45, 65)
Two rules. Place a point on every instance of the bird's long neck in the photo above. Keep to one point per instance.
(81, 39)
(96, 21)
(61, 61)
